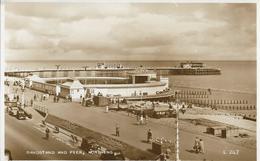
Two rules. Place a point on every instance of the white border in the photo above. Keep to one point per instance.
(2, 51)
(132, 1)
(258, 80)
(3, 2)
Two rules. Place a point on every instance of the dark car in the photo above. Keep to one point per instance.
(21, 115)
(112, 155)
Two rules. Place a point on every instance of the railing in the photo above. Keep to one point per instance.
(40, 108)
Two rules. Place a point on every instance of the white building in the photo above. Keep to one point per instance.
(139, 83)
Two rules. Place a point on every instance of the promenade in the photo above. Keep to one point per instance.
(96, 119)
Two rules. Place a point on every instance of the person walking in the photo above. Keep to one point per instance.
(149, 136)
(80, 99)
(141, 120)
(34, 97)
(162, 157)
(137, 118)
(117, 130)
(145, 117)
(201, 145)
(47, 131)
(83, 101)
(196, 145)
(31, 102)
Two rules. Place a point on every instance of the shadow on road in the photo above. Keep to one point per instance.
(145, 141)
(45, 138)
(191, 151)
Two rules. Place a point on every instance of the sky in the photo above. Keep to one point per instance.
(130, 31)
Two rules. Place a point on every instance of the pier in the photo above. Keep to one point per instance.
(163, 71)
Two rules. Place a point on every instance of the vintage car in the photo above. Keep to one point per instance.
(21, 115)
(12, 111)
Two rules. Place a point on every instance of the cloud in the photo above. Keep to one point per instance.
(69, 11)
(130, 31)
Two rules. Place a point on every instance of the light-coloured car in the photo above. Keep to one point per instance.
(13, 111)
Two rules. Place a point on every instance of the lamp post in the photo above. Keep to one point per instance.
(23, 88)
(58, 67)
(85, 68)
(177, 131)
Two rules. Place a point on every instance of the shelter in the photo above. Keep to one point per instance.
(75, 89)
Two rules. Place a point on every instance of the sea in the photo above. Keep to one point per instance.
(235, 75)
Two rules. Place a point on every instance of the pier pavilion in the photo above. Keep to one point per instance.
(137, 83)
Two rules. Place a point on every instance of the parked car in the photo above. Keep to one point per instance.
(21, 115)
(13, 111)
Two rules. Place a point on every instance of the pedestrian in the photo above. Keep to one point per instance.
(145, 117)
(73, 138)
(201, 145)
(153, 105)
(118, 102)
(149, 136)
(162, 157)
(83, 101)
(107, 109)
(31, 102)
(137, 117)
(34, 97)
(128, 112)
(141, 119)
(196, 145)
(47, 131)
(80, 99)
(117, 130)
(168, 151)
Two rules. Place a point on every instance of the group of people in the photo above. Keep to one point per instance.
(149, 134)
(141, 119)
(199, 146)
(164, 156)
(56, 98)
(42, 97)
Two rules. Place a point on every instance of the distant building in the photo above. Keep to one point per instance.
(137, 83)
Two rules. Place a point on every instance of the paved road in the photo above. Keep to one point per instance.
(94, 118)
(97, 120)
(21, 138)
